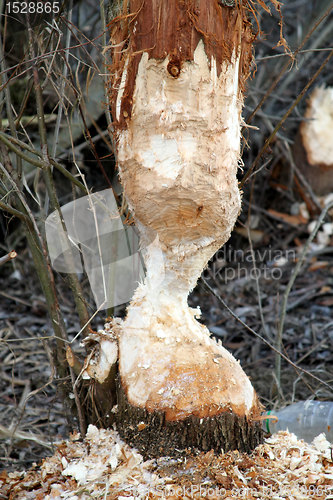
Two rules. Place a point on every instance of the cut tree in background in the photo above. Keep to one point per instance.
(176, 90)
(313, 146)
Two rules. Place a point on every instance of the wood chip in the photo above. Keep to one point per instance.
(103, 466)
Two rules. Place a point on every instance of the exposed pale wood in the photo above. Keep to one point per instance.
(313, 148)
(6, 258)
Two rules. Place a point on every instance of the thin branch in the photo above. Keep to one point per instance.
(288, 63)
(289, 287)
(24, 204)
(88, 135)
(6, 258)
(8, 100)
(297, 368)
(11, 142)
(82, 420)
(303, 180)
(44, 271)
(34, 392)
(13, 211)
(104, 31)
(52, 195)
(7, 140)
(257, 281)
(63, 81)
(259, 59)
(283, 119)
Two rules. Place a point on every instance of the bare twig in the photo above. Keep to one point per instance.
(11, 142)
(6, 258)
(283, 119)
(303, 180)
(297, 368)
(13, 211)
(88, 135)
(8, 100)
(61, 92)
(72, 277)
(257, 281)
(288, 63)
(259, 59)
(314, 348)
(296, 269)
(104, 31)
(82, 421)
(33, 393)
(43, 267)
(25, 436)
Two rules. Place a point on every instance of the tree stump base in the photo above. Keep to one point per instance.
(155, 437)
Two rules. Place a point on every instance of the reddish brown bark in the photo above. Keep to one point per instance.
(173, 28)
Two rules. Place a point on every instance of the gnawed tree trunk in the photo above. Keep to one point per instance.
(313, 147)
(176, 87)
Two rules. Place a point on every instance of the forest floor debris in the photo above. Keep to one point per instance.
(103, 466)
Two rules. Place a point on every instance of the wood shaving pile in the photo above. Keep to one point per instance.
(103, 466)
